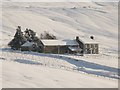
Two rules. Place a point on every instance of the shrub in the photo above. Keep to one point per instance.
(47, 35)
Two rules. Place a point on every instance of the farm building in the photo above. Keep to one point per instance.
(89, 46)
(29, 46)
(60, 46)
(78, 45)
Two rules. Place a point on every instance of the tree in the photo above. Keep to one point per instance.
(18, 40)
(47, 35)
(29, 34)
(31, 37)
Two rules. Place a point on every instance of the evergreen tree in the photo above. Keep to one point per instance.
(30, 34)
(18, 40)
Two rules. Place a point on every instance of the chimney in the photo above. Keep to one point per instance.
(92, 37)
(77, 38)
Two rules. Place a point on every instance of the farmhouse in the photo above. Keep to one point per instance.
(60, 46)
(89, 46)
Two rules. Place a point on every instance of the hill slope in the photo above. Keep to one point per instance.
(65, 21)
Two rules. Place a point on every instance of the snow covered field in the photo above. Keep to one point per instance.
(65, 21)
(36, 76)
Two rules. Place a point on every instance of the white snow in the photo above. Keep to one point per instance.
(28, 43)
(53, 42)
(88, 40)
(58, 42)
(65, 21)
(71, 42)
(75, 48)
(24, 76)
(61, 1)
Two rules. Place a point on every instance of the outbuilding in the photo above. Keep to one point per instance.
(59, 46)
(28, 46)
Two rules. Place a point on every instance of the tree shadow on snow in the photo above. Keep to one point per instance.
(27, 62)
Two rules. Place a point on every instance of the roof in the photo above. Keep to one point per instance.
(88, 40)
(75, 48)
(28, 44)
(71, 42)
(59, 42)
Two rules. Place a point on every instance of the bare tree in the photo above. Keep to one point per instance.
(47, 35)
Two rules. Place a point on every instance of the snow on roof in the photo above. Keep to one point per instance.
(88, 40)
(59, 42)
(75, 48)
(52, 42)
(28, 44)
(71, 42)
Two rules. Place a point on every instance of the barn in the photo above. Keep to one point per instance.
(88, 45)
(59, 46)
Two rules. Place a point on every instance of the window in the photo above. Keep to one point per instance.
(85, 45)
(96, 45)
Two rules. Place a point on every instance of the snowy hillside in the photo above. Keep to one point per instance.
(44, 77)
(65, 21)
(61, 1)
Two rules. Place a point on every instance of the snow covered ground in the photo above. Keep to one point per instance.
(43, 77)
(65, 21)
